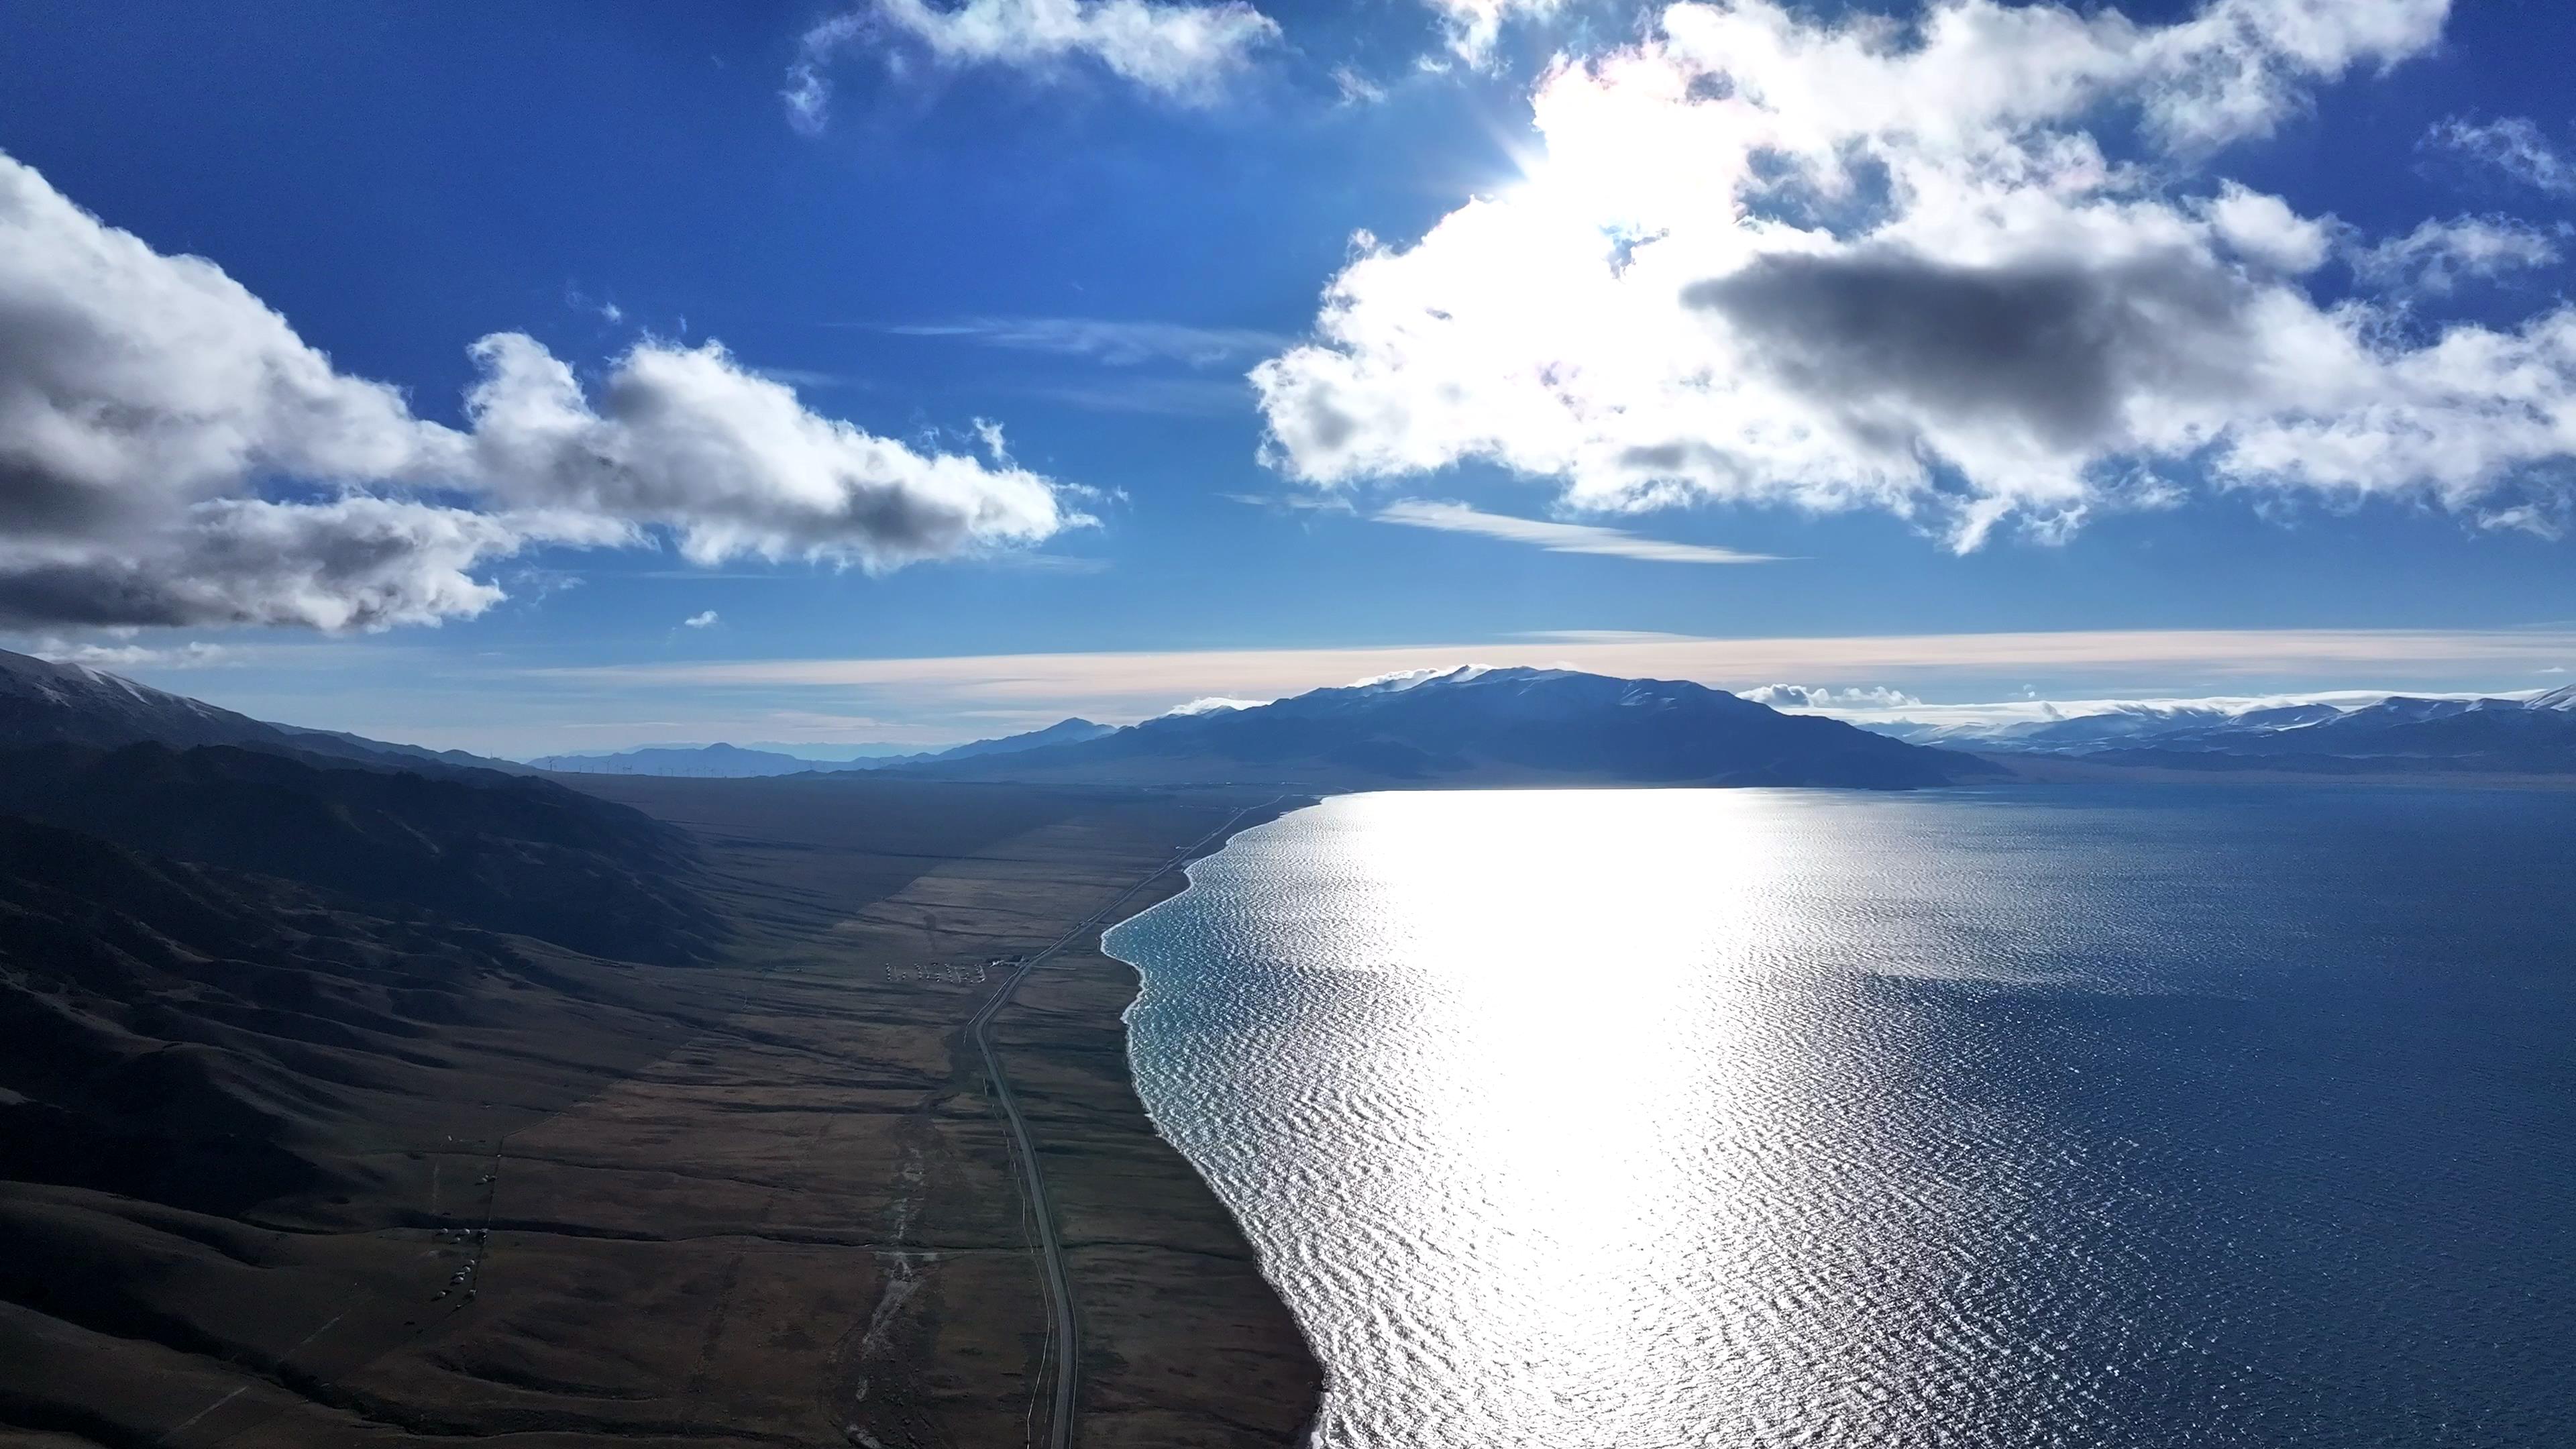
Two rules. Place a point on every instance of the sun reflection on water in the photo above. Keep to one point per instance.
(1743, 1117)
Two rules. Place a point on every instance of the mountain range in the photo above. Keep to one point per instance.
(2400, 734)
(1477, 726)
(736, 762)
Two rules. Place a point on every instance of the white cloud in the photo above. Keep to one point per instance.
(2436, 256)
(808, 92)
(2263, 228)
(1356, 89)
(1474, 25)
(193, 655)
(2512, 145)
(703, 619)
(1811, 698)
(1211, 704)
(732, 463)
(172, 453)
(133, 384)
(1181, 52)
(1900, 271)
(1555, 537)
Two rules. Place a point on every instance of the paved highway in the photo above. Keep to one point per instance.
(1068, 1361)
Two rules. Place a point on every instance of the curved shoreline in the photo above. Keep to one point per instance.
(1065, 1332)
(1268, 813)
(1287, 806)
(1181, 1339)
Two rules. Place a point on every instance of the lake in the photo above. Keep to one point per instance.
(2098, 1116)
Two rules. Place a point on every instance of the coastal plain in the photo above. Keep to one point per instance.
(762, 1200)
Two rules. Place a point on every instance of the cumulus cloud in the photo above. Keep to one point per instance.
(1903, 269)
(1180, 52)
(732, 463)
(703, 619)
(2438, 255)
(172, 453)
(1450, 517)
(2513, 146)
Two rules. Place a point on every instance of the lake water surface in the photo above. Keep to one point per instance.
(2083, 1116)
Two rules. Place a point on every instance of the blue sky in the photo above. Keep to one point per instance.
(1090, 247)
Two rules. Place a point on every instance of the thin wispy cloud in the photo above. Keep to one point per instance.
(2512, 145)
(1292, 502)
(1118, 343)
(1556, 537)
(1166, 397)
(1133, 685)
(2438, 256)
(193, 655)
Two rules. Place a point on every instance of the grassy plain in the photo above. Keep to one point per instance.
(760, 1202)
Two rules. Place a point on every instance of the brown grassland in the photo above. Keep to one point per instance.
(766, 1201)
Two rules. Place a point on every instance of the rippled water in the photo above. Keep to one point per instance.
(2094, 1117)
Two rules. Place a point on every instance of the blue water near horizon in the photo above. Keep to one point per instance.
(2099, 1115)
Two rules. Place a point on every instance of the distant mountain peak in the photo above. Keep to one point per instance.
(1483, 725)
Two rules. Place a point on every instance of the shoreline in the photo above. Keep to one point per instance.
(1065, 1330)
(1183, 871)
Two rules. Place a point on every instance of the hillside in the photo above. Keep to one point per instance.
(176, 1030)
(44, 703)
(504, 853)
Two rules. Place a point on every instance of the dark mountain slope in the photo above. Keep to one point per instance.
(500, 852)
(173, 1029)
(1498, 726)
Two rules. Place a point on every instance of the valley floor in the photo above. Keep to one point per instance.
(767, 1202)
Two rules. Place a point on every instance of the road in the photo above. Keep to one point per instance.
(1068, 1361)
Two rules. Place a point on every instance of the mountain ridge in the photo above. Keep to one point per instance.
(2395, 734)
(1479, 726)
(43, 702)
(728, 761)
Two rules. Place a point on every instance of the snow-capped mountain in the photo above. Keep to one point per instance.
(2399, 732)
(45, 703)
